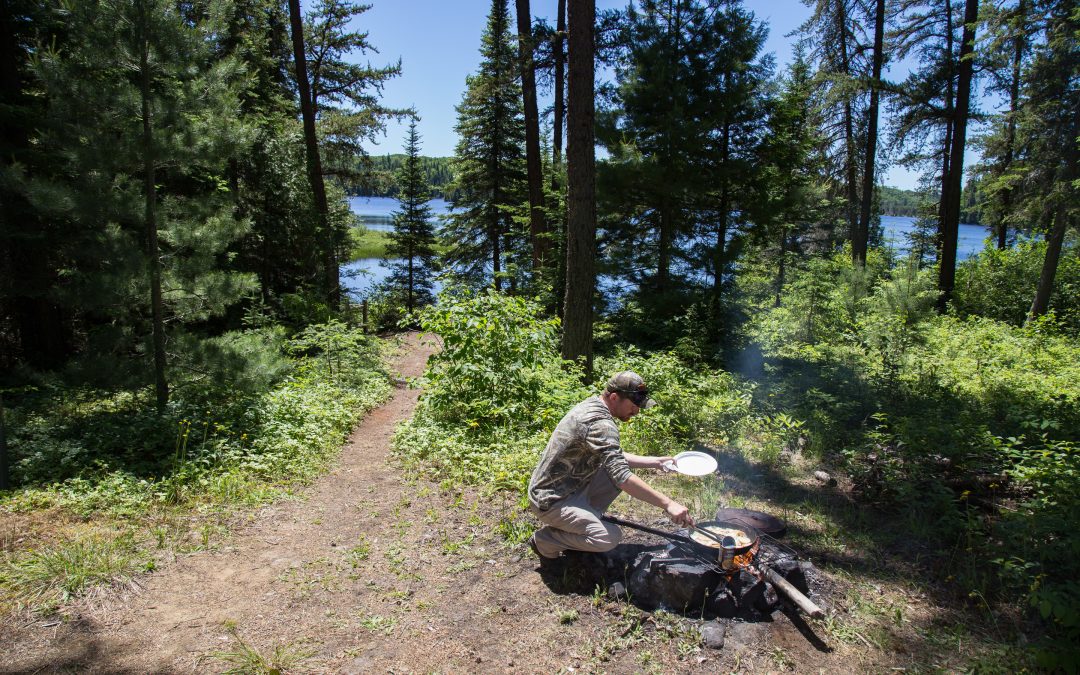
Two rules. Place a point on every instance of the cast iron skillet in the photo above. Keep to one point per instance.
(684, 540)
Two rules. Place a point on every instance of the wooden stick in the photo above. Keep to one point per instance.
(785, 587)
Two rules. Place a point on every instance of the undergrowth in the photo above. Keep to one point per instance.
(135, 472)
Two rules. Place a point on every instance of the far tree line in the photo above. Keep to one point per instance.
(172, 170)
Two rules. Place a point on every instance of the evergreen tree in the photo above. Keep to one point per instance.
(791, 199)
(485, 240)
(950, 198)
(1050, 132)
(412, 247)
(1006, 55)
(682, 141)
(345, 95)
(860, 238)
(140, 120)
(537, 223)
(835, 35)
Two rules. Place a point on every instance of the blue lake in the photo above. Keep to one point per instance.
(376, 213)
(897, 229)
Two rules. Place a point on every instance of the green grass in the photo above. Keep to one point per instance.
(42, 578)
(365, 243)
(244, 659)
(252, 451)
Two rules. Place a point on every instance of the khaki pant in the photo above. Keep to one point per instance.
(574, 523)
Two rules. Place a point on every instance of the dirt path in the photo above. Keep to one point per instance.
(372, 572)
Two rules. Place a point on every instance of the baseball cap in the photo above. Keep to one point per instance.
(633, 385)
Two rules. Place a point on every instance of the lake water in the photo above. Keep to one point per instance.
(361, 276)
(970, 238)
(377, 213)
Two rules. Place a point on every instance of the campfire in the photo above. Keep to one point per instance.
(693, 575)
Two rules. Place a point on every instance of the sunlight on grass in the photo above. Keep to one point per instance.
(57, 573)
(245, 659)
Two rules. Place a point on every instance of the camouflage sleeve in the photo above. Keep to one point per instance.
(603, 439)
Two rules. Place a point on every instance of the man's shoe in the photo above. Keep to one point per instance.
(532, 545)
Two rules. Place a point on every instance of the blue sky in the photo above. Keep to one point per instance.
(438, 42)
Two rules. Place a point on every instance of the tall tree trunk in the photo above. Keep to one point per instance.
(1050, 264)
(157, 309)
(719, 265)
(26, 249)
(860, 241)
(556, 156)
(314, 162)
(581, 187)
(951, 221)
(558, 112)
(849, 125)
(537, 226)
(781, 268)
(950, 114)
(409, 302)
(1019, 45)
(664, 243)
(496, 250)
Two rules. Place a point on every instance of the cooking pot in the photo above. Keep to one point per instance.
(717, 552)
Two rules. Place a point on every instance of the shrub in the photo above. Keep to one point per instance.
(494, 392)
(1000, 283)
(709, 405)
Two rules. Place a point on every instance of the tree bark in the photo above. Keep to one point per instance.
(946, 149)
(1019, 45)
(558, 111)
(537, 225)
(581, 187)
(314, 162)
(556, 156)
(1050, 264)
(849, 124)
(157, 309)
(860, 240)
(951, 221)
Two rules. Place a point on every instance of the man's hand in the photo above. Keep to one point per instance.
(679, 514)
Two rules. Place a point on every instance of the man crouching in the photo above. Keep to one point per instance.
(583, 469)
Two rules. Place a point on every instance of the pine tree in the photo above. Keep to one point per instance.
(486, 242)
(682, 142)
(835, 36)
(1050, 129)
(140, 122)
(790, 199)
(412, 247)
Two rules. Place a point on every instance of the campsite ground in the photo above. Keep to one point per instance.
(371, 570)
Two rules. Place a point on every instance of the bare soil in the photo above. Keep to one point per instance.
(372, 571)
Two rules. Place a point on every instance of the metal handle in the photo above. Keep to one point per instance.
(666, 535)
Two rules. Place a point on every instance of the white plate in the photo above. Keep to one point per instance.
(694, 463)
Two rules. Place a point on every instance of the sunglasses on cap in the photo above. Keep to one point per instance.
(638, 396)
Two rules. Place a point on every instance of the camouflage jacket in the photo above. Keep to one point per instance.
(585, 441)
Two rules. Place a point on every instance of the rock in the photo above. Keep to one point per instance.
(751, 595)
(795, 572)
(768, 600)
(825, 478)
(722, 603)
(712, 634)
(673, 586)
(617, 591)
